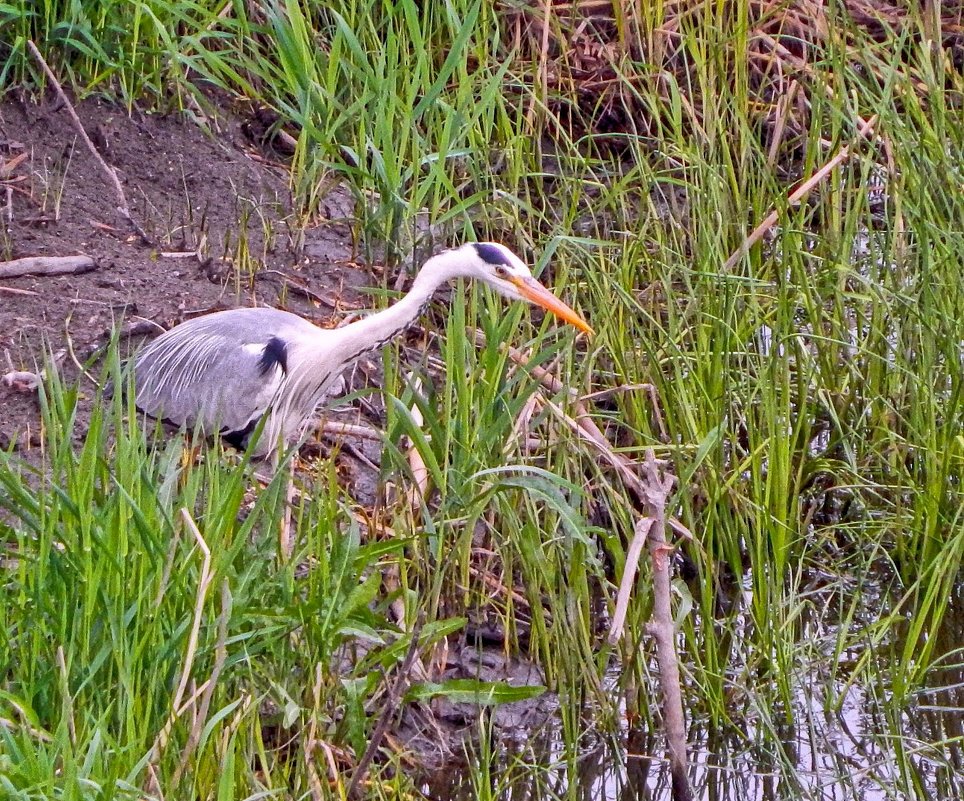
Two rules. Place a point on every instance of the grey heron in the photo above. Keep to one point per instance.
(223, 372)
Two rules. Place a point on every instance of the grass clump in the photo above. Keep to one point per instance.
(112, 608)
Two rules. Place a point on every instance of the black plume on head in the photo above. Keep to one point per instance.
(491, 254)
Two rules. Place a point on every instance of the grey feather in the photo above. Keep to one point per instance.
(221, 371)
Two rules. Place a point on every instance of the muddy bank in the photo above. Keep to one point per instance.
(221, 229)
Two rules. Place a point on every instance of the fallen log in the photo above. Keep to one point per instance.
(47, 265)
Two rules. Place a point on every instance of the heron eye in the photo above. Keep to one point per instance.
(501, 271)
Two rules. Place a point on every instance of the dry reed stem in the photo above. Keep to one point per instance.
(220, 656)
(520, 428)
(160, 742)
(630, 568)
(153, 784)
(286, 540)
(659, 485)
(782, 117)
(797, 195)
(314, 780)
(202, 589)
(420, 475)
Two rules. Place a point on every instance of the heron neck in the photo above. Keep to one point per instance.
(381, 327)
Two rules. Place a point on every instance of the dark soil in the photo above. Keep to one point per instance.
(218, 215)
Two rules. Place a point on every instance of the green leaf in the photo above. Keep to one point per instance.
(454, 58)
(226, 782)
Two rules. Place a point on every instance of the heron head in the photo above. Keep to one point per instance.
(505, 272)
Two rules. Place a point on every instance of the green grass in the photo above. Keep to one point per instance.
(811, 398)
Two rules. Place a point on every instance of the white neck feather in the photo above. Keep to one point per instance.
(379, 327)
(343, 345)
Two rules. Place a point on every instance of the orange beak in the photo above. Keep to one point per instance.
(536, 293)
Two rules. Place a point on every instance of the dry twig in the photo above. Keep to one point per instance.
(7, 166)
(335, 429)
(113, 180)
(47, 265)
(797, 195)
(389, 707)
(180, 254)
(630, 568)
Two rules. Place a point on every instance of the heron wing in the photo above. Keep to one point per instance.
(221, 371)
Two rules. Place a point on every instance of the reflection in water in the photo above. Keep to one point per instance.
(842, 732)
(939, 715)
(842, 740)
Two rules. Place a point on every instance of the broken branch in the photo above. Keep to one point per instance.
(47, 265)
(389, 707)
(658, 488)
(630, 567)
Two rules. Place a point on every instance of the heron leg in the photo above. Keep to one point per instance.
(286, 540)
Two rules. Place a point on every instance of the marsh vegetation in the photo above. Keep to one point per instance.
(804, 386)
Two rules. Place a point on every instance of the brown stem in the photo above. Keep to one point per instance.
(662, 627)
(388, 712)
(797, 195)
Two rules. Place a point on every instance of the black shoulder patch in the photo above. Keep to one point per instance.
(274, 353)
(491, 254)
